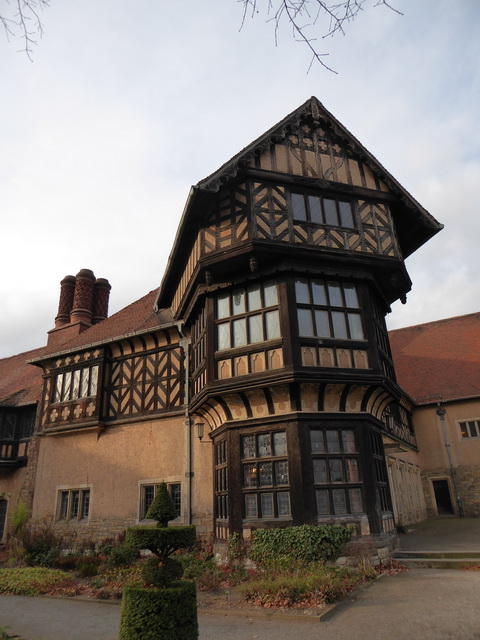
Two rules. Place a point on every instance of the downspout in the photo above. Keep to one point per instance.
(441, 413)
(185, 345)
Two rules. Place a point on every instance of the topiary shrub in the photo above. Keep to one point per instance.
(166, 608)
(159, 614)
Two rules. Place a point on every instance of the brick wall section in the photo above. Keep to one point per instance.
(468, 482)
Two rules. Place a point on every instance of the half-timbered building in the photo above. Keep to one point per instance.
(258, 381)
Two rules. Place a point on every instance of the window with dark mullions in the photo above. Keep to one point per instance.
(247, 316)
(324, 211)
(265, 476)
(328, 309)
(336, 472)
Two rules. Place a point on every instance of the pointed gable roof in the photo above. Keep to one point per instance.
(414, 224)
(439, 361)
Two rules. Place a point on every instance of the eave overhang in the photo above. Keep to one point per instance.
(414, 224)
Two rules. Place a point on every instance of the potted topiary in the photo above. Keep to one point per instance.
(165, 608)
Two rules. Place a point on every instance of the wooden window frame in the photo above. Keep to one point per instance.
(316, 213)
(328, 309)
(247, 314)
(255, 493)
(346, 485)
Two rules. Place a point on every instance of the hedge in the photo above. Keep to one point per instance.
(305, 544)
(159, 614)
(168, 539)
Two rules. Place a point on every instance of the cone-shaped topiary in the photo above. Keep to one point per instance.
(166, 608)
(162, 508)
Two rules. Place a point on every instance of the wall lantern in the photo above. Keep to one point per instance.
(200, 427)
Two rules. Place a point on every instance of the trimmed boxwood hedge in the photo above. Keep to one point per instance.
(167, 539)
(159, 614)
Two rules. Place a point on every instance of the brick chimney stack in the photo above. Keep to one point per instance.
(83, 302)
(83, 299)
(67, 289)
(101, 295)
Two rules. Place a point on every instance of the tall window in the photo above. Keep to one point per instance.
(324, 211)
(328, 309)
(79, 383)
(265, 476)
(336, 472)
(247, 315)
(149, 491)
(73, 504)
(221, 480)
(380, 470)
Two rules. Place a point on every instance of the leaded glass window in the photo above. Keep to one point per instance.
(336, 471)
(264, 468)
(79, 383)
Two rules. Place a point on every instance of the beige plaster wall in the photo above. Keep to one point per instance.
(465, 453)
(113, 465)
(431, 441)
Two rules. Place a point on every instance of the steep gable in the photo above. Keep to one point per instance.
(309, 148)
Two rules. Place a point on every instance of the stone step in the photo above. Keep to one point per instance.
(439, 563)
(436, 555)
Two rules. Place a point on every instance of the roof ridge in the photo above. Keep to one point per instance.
(441, 320)
(22, 353)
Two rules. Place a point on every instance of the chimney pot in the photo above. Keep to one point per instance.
(83, 298)
(65, 304)
(101, 295)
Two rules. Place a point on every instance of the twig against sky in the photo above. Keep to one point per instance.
(21, 18)
(303, 15)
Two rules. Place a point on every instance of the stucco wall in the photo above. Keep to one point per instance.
(113, 464)
(465, 455)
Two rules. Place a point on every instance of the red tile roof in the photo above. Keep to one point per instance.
(20, 383)
(439, 360)
(138, 317)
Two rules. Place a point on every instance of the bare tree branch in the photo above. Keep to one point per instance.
(303, 15)
(21, 18)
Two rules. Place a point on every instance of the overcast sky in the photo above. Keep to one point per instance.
(127, 104)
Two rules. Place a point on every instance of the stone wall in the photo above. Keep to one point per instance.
(468, 483)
